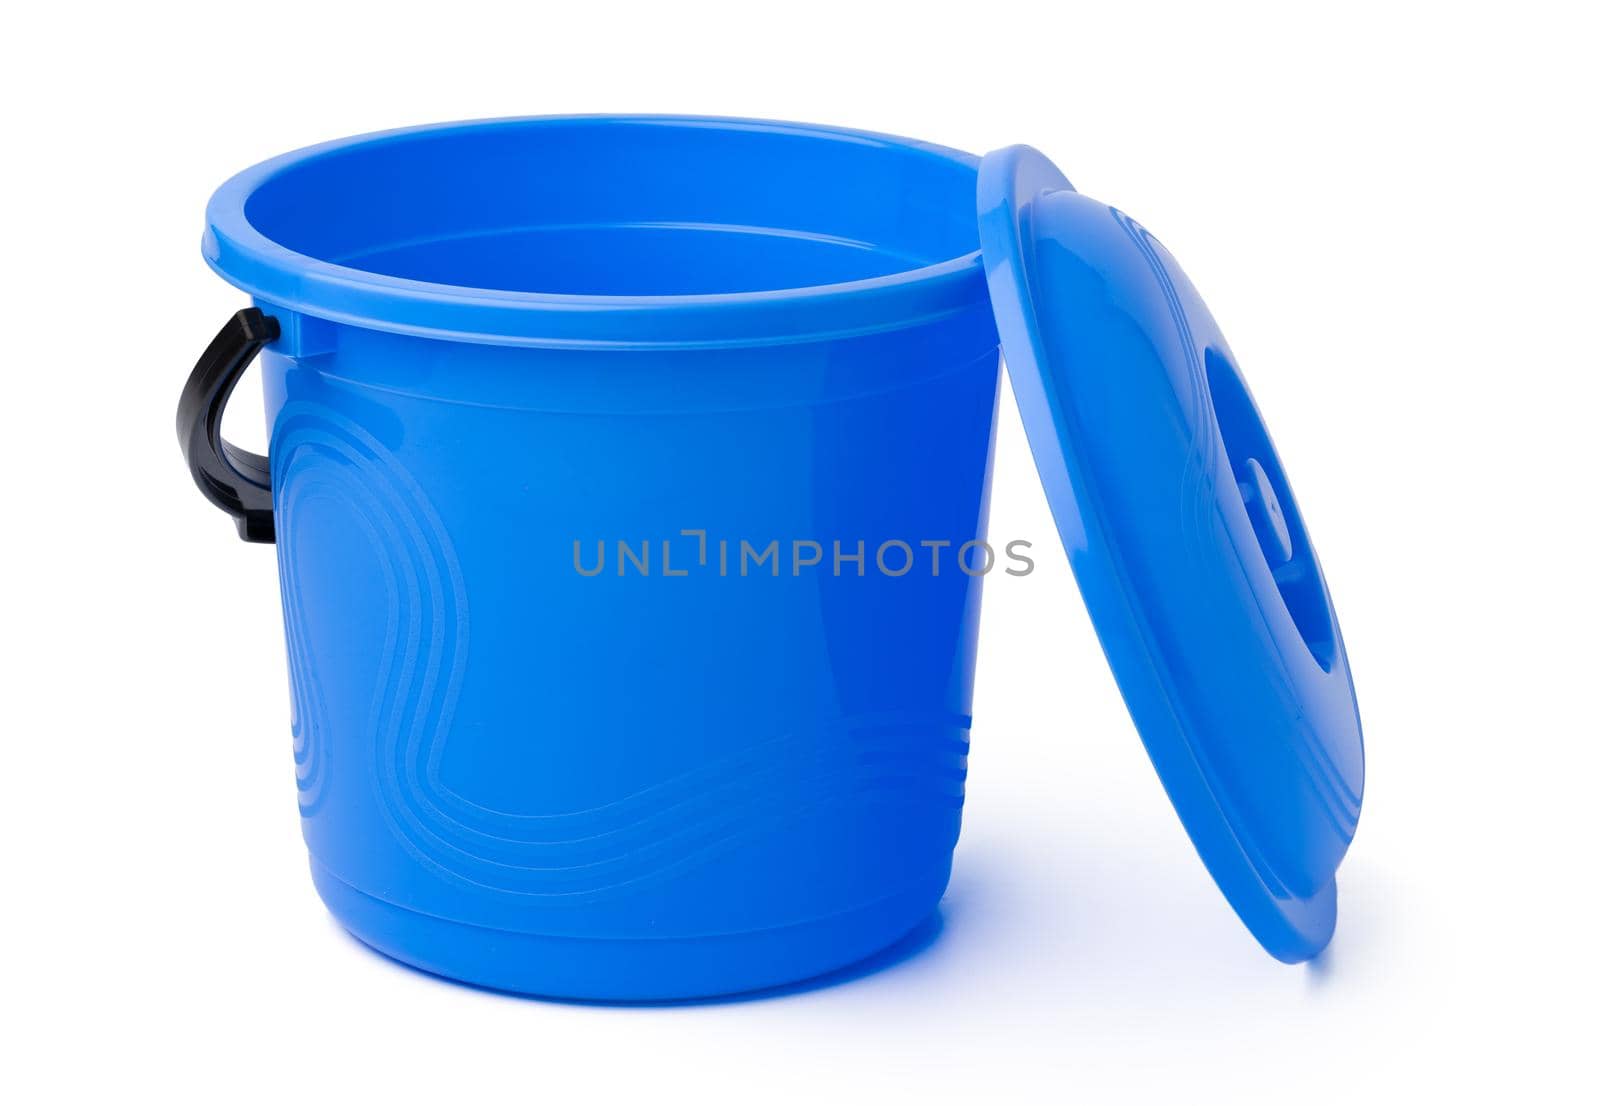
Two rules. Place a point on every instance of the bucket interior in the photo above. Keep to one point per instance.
(611, 207)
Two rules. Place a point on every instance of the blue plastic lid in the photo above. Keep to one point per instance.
(1186, 542)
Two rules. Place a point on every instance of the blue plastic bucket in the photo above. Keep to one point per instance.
(625, 475)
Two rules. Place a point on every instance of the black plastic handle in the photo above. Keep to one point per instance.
(238, 482)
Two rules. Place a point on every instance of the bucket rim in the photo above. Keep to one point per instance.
(282, 278)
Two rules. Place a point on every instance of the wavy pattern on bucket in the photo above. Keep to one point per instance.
(902, 759)
(707, 811)
(422, 657)
(309, 726)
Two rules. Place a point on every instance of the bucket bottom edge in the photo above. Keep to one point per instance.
(645, 970)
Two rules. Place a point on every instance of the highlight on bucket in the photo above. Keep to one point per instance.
(506, 361)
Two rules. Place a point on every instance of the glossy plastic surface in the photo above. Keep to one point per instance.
(623, 785)
(1186, 541)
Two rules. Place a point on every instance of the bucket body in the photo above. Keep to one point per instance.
(625, 476)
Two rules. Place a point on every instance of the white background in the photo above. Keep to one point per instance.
(1391, 209)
